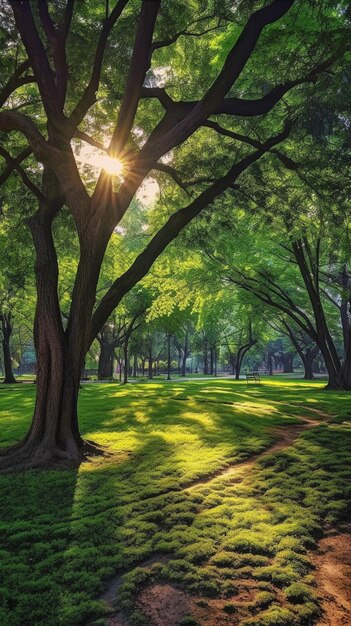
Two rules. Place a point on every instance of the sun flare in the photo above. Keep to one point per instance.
(110, 165)
(98, 160)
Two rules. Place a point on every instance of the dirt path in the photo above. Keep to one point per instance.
(333, 574)
(285, 437)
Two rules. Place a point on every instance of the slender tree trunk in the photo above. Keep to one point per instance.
(205, 358)
(288, 358)
(135, 366)
(150, 364)
(185, 354)
(168, 357)
(345, 373)
(6, 327)
(269, 363)
(211, 360)
(238, 365)
(105, 366)
(344, 309)
(126, 362)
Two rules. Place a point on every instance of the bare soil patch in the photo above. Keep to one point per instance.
(333, 574)
(166, 605)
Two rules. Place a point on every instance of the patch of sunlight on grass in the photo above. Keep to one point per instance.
(204, 418)
(141, 417)
(65, 535)
(254, 408)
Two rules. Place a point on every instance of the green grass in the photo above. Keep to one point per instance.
(66, 534)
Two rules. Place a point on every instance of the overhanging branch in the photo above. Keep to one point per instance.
(14, 164)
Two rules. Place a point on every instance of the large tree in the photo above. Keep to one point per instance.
(135, 46)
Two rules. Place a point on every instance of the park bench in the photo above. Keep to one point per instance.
(255, 376)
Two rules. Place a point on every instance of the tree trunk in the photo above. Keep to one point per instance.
(211, 360)
(53, 437)
(205, 358)
(6, 327)
(308, 367)
(168, 357)
(288, 358)
(135, 366)
(150, 364)
(105, 366)
(185, 354)
(345, 374)
(237, 367)
(269, 363)
(126, 364)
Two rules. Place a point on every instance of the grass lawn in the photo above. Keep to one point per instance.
(66, 534)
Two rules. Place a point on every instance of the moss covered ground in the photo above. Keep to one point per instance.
(66, 534)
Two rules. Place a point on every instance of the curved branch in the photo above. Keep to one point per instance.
(16, 81)
(38, 59)
(16, 160)
(11, 120)
(14, 165)
(137, 70)
(168, 169)
(89, 96)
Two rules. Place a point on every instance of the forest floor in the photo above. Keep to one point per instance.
(221, 503)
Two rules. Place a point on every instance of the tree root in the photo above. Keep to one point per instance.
(28, 455)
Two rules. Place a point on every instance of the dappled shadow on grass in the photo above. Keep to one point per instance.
(33, 529)
(65, 532)
(16, 407)
(84, 527)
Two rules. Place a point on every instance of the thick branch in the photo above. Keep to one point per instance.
(89, 96)
(168, 169)
(79, 134)
(16, 80)
(14, 164)
(11, 120)
(194, 114)
(138, 67)
(287, 162)
(57, 39)
(38, 59)
(16, 160)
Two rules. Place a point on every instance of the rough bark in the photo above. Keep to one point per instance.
(106, 356)
(288, 358)
(150, 363)
(6, 331)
